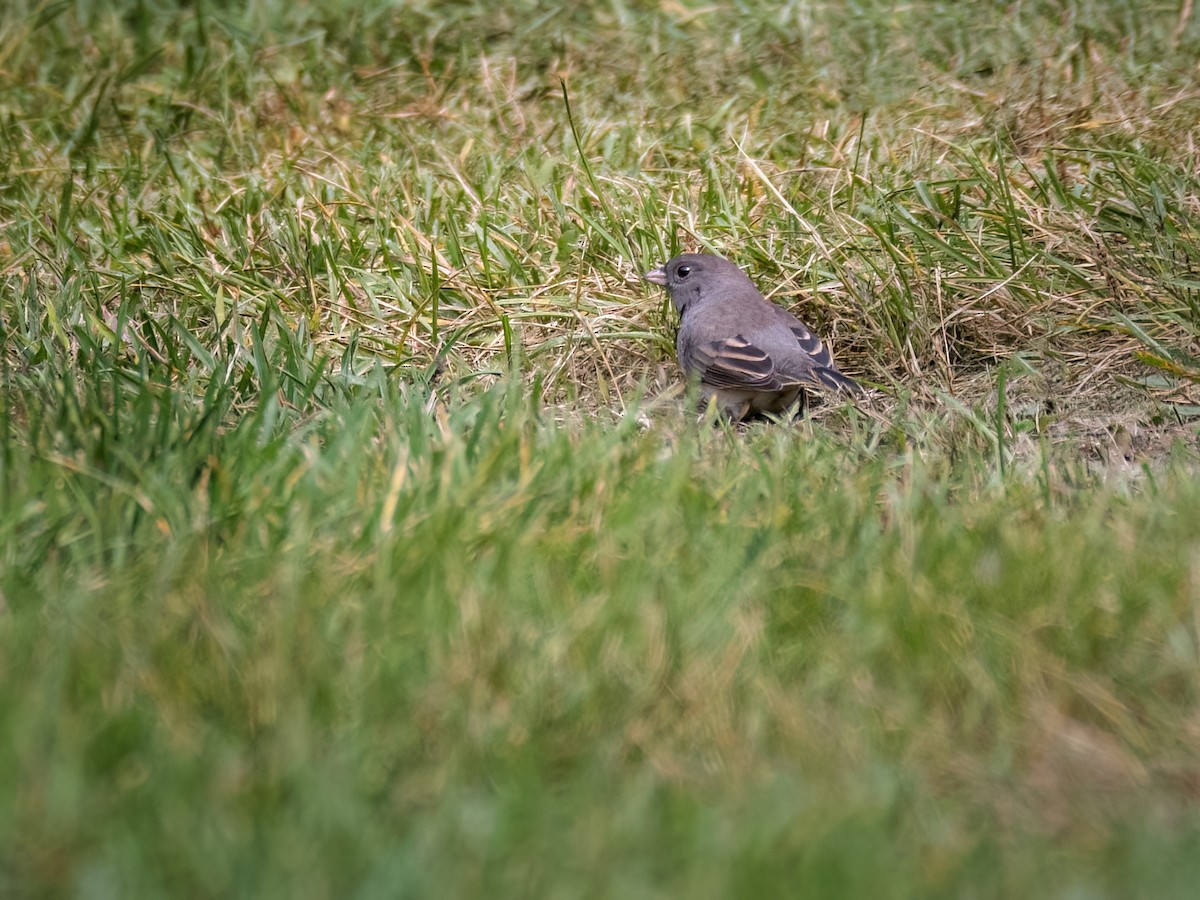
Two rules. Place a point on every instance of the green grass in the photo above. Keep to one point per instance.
(354, 540)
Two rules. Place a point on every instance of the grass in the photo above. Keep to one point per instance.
(355, 539)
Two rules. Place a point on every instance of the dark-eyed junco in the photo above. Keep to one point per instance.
(754, 357)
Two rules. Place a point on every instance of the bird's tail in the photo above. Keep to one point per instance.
(834, 379)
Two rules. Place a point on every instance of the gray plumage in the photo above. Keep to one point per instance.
(754, 357)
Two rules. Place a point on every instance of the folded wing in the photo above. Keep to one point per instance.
(735, 363)
(824, 370)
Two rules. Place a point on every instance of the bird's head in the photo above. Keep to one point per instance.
(693, 278)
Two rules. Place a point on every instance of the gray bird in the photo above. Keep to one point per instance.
(754, 357)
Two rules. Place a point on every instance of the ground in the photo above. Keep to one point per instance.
(358, 536)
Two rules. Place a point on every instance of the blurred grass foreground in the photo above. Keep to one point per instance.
(356, 539)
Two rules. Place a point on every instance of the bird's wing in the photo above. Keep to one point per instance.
(832, 378)
(735, 363)
(810, 343)
(823, 368)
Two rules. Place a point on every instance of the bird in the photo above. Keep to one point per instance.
(751, 356)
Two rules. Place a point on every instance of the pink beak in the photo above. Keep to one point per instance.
(657, 276)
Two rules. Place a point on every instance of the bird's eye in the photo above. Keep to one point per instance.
(683, 272)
